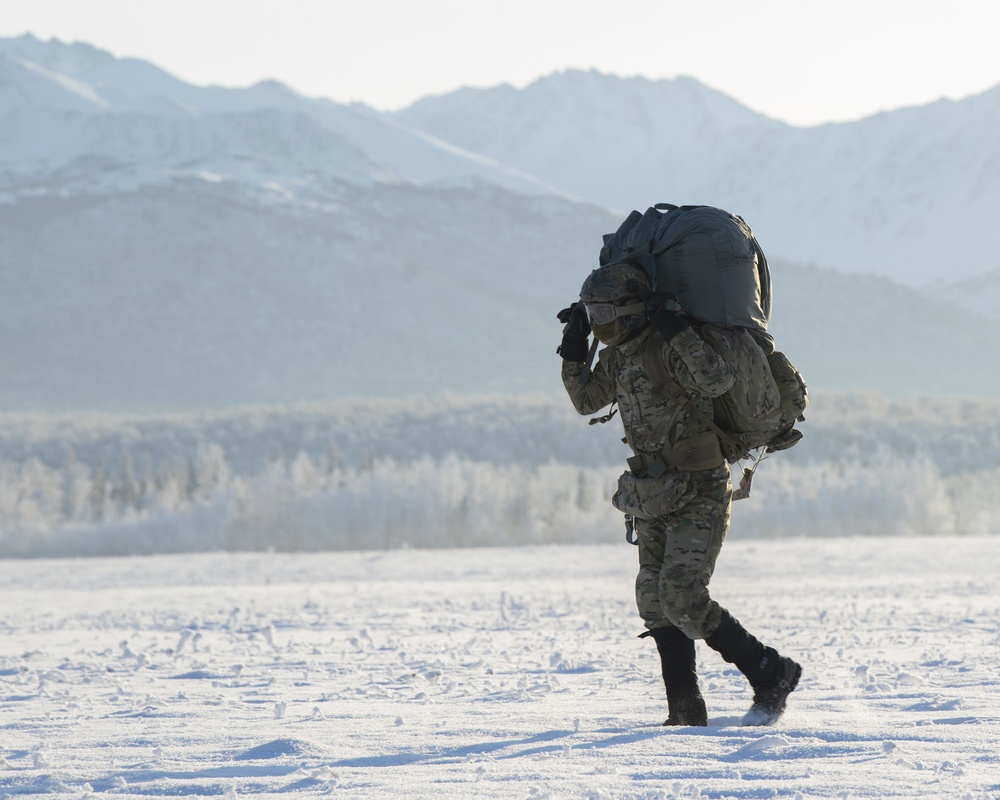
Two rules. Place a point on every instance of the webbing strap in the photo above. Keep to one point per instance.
(607, 417)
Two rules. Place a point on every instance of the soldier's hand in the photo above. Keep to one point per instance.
(575, 333)
(575, 320)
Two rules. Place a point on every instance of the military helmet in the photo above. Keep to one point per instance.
(613, 296)
(615, 283)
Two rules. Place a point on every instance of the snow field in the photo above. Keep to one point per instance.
(495, 673)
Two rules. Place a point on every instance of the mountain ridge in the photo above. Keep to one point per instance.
(103, 106)
(852, 196)
(192, 248)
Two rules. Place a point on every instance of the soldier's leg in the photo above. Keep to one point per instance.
(676, 649)
(692, 539)
(651, 537)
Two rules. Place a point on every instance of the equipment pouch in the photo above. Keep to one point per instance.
(648, 498)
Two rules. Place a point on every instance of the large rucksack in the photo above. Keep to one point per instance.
(707, 258)
(711, 262)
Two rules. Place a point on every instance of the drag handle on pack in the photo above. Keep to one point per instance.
(744, 491)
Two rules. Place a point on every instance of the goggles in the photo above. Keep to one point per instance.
(605, 313)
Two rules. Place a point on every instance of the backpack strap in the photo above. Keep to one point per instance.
(585, 373)
(666, 385)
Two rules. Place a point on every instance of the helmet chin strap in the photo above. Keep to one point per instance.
(632, 334)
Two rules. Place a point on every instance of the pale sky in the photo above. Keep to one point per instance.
(801, 61)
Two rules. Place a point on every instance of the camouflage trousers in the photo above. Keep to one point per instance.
(677, 555)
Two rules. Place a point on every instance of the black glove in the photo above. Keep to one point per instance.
(666, 315)
(574, 345)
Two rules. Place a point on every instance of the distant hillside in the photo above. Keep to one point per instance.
(850, 332)
(210, 293)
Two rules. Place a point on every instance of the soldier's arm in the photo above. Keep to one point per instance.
(596, 391)
(706, 372)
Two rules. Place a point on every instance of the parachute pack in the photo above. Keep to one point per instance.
(711, 262)
(706, 257)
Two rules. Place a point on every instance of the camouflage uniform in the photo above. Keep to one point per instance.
(677, 487)
(680, 540)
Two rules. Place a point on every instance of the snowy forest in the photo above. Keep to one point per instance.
(456, 471)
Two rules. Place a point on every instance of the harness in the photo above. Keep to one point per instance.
(694, 454)
(666, 385)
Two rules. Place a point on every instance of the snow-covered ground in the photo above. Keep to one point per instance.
(494, 673)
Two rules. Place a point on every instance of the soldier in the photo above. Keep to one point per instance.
(678, 487)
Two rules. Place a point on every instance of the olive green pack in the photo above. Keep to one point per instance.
(767, 398)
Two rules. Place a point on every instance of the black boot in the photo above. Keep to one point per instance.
(772, 677)
(680, 676)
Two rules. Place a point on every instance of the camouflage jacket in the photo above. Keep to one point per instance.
(653, 422)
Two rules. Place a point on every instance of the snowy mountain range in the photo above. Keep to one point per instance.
(164, 245)
(910, 195)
